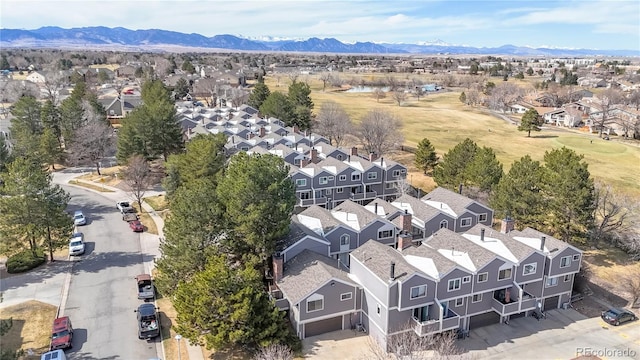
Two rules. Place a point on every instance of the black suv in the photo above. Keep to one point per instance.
(617, 316)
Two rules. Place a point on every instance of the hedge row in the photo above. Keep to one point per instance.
(25, 261)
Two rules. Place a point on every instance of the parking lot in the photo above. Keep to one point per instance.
(564, 334)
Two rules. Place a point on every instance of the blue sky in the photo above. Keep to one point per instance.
(594, 24)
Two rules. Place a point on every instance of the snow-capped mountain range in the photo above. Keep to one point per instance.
(104, 37)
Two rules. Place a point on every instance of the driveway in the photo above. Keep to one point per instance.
(564, 334)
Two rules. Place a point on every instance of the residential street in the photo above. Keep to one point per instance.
(102, 293)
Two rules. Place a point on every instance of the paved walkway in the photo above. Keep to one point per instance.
(150, 242)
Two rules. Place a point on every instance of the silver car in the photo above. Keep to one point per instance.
(79, 218)
(76, 244)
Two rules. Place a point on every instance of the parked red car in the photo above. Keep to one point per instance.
(62, 333)
(136, 226)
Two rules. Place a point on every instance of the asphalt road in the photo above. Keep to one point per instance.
(102, 293)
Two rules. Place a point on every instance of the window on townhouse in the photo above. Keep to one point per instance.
(529, 269)
(244, 148)
(476, 298)
(418, 291)
(504, 274)
(389, 185)
(567, 278)
(482, 217)
(483, 277)
(385, 234)
(301, 182)
(305, 195)
(340, 190)
(459, 302)
(465, 222)
(454, 284)
(576, 257)
(466, 279)
(403, 171)
(444, 224)
(396, 173)
(372, 176)
(315, 302)
(344, 240)
(552, 281)
(323, 180)
(327, 191)
(345, 296)
(565, 261)
(355, 177)
(342, 178)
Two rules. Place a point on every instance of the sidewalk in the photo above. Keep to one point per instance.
(150, 242)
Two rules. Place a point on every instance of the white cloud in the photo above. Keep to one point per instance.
(477, 22)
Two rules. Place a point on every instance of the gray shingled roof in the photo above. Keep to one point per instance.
(339, 165)
(447, 240)
(443, 264)
(456, 202)
(324, 216)
(364, 216)
(378, 257)
(551, 243)
(307, 272)
(420, 210)
(296, 232)
(518, 249)
(384, 207)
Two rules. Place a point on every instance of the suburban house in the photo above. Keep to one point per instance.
(368, 268)
(118, 107)
(36, 77)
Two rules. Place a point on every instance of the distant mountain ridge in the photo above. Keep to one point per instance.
(100, 36)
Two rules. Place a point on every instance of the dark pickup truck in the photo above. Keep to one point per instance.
(148, 321)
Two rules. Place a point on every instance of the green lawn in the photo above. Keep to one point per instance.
(445, 122)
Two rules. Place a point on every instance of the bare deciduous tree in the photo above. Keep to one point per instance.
(333, 122)
(615, 215)
(633, 99)
(238, 97)
(392, 82)
(503, 96)
(325, 77)
(92, 142)
(418, 92)
(379, 132)
(274, 352)
(399, 96)
(608, 100)
(378, 94)
(54, 82)
(631, 283)
(138, 177)
(406, 345)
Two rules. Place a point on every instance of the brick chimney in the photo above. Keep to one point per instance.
(404, 240)
(354, 151)
(372, 157)
(295, 129)
(278, 267)
(406, 222)
(262, 131)
(250, 136)
(508, 224)
(304, 162)
(314, 155)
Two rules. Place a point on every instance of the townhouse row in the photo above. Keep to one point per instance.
(387, 268)
(324, 175)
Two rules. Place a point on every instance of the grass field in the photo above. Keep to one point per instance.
(445, 121)
(31, 327)
(89, 186)
(145, 219)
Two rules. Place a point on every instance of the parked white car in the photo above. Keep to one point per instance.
(79, 218)
(76, 244)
